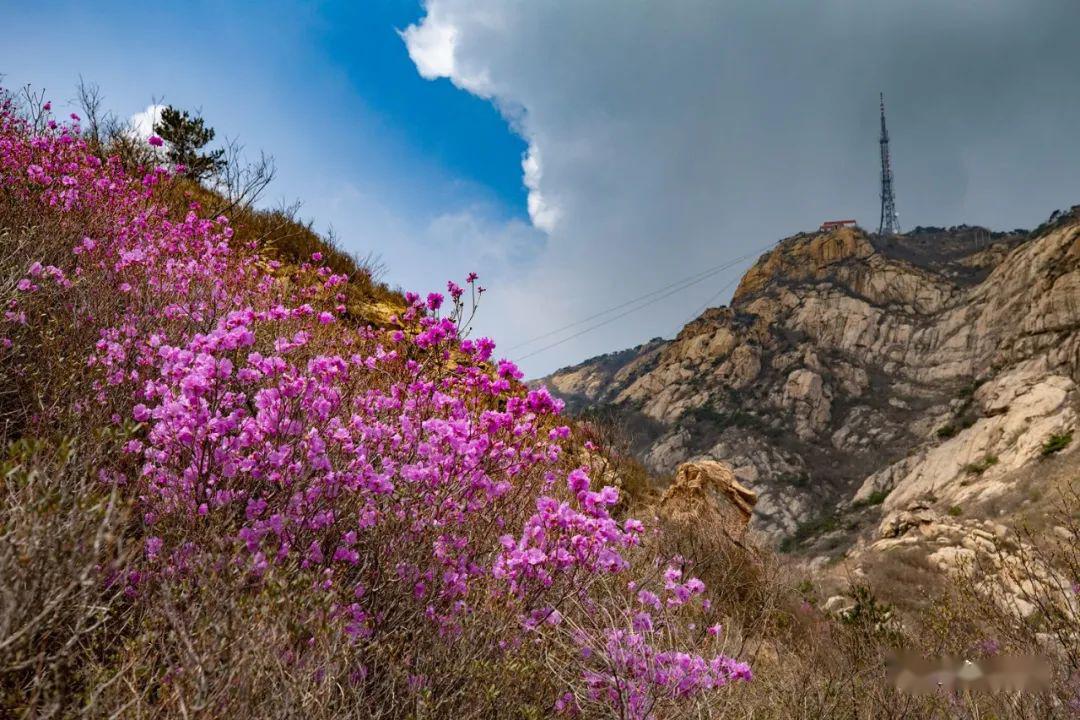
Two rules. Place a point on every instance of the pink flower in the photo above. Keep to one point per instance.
(577, 481)
(642, 622)
(155, 141)
(649, 599)
(153, 546)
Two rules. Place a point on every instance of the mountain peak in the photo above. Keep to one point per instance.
(844, 371)
(803, 257)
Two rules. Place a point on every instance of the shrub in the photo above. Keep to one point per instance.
(869, 612)
(397, 514)
(946, 431)
(873, 499)
(981, 466)
(1056, 443)
(968, 391)
(819, 525)
(877, 497)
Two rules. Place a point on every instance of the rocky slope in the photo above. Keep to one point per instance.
(853, 372)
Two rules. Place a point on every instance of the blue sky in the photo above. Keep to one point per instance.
(369, 146)
(578, 155)
(279, 72)
(410, 168)
(433, 122)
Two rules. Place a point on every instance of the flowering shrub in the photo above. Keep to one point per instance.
(399, 478)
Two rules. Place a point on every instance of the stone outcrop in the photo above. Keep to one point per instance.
(1002, 567)
(851, 368)
(706, 493)
(1018, 411)
(807, 257)
(810, 402)
(593, 382)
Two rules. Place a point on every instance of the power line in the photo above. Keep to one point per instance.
(708, 303)
(672, 289)
(708, 272)
(619, 316)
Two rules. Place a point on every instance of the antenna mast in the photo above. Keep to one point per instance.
(890, 221)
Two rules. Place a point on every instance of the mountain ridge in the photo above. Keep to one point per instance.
(852, 368)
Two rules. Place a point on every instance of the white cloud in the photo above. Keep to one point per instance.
(544, 214)
(142, 123)
(431, 48)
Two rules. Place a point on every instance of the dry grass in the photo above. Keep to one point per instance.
(73, 644)
(63, 559)
(279, 233)
(74, 641)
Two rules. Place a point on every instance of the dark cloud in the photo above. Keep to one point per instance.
(673, 135)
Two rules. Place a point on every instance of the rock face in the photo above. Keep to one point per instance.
(1016, 412)
(706, 492)
(852, 368)
(1005, 568)
(810, 401)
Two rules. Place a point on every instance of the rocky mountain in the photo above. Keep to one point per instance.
(917, 373)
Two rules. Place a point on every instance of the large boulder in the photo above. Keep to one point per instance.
(706, 493)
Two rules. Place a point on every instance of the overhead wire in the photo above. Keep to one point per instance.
(712, 298)
(671, 288)
(708, 272)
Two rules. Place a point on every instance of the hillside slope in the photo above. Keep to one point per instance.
(853, 369)
(236, 473)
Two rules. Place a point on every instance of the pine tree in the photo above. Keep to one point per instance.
(186, 137)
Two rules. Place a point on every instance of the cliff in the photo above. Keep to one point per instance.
(852, 371)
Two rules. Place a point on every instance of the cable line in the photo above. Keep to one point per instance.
(681, 285)
(708, 303)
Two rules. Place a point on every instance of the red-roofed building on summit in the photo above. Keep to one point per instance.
(833, 224)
